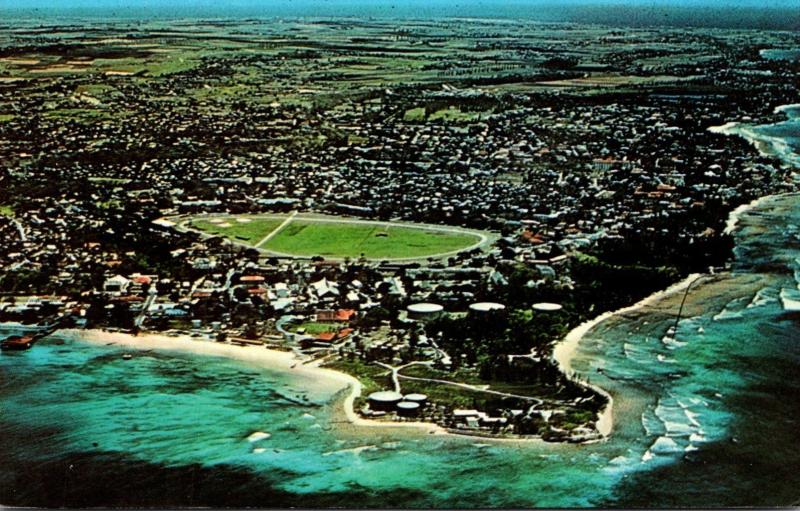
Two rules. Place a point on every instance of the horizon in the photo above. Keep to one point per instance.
(747, 14)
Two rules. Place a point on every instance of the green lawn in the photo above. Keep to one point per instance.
(453, 114)
(315, 328)
(308, 238)
(251, 232)
(6, 210)
(415, 114)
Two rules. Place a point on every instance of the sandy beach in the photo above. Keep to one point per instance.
(347, 388)
(564, 352)
(334, 381)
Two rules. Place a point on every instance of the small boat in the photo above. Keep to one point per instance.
(127, 356)
(17, 342)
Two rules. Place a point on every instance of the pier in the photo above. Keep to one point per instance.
(25, 342)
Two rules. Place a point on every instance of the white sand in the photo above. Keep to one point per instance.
(783, 108)
(564, 352)
(725, 129)
(281, 360)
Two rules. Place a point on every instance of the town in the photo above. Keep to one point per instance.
(484, 190)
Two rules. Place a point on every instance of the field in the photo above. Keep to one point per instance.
(371, 241)
(315, 328)
(251, 232)
(309, 237)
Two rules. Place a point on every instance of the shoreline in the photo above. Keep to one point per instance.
(565, 350)
(258, 355)
(767, 146)
(345, 389)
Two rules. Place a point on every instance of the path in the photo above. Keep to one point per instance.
(277, 229)
(145, 307)
(21, 230)
(472, 388)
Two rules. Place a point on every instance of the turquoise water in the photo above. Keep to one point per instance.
(781, 54)
(781, 139)
(707, 417)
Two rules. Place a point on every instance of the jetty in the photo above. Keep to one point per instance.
(25, 342)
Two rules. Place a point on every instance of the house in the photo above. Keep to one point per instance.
(323, 288)
(116, 284)
(333, 316)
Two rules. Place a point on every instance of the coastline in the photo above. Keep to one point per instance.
(345, 388)
(335, 381)
(767, 146)
(565, 350)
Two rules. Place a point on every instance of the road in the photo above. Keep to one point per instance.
(21, 230)
(143, 313)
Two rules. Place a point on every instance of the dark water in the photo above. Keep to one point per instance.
(709, 416)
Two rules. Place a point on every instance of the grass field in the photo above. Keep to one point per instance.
(308, 238)
(315, 328)
(250, 232)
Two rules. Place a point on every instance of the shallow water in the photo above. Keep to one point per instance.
(709, 416)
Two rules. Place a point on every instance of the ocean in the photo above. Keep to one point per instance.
(706, 416)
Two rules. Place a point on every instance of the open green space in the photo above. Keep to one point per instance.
(309, 238)
(453, 114)
(6, 210)
(249, 232)
(316, 328)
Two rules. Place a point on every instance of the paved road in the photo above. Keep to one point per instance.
(147, 303)
(21, 230)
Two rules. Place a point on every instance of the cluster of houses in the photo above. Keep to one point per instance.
(552, 172)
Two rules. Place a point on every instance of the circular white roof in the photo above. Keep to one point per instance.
(425, 308)
(416, 397)
(407, 405)
(544, 306)
(385, 396)
(487, 306)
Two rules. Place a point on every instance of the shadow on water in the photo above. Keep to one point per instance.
(111, 480)
(757, 466)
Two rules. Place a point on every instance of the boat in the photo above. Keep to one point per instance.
(17, 342)
(127, 356)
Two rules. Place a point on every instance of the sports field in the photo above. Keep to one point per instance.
(331, 238)
(247, 229)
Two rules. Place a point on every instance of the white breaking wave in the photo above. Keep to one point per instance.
(354, 450)
(665, 445)
(764, 296)
(258, 435)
